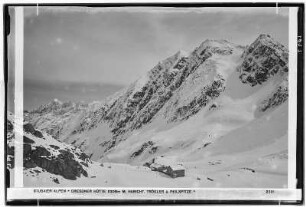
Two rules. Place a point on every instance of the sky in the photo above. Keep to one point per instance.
(115, 46)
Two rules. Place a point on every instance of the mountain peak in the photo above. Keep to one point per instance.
(221, 44)
(264, 58)
(181, 53)
(264, 36)
(56, 101)
(266, 39)
(216, 40)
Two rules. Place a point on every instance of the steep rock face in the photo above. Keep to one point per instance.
(145, 146)
(207, 94)
(163, 81)
(139, 108)
(145, 97)
(263, 59)
(41, 150)
(277, 97)
(30, 129)
(63, 164)
(208, 68)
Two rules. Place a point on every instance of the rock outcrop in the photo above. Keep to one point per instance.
(41, 150)
(263, 59)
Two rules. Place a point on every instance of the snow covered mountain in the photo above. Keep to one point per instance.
(221, 109)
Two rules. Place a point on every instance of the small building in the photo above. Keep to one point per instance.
(171, 169)
(157, 167)
(176, 171)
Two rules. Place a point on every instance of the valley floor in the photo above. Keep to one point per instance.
(270, 172)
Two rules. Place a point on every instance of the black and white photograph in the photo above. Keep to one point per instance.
(151, 97)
